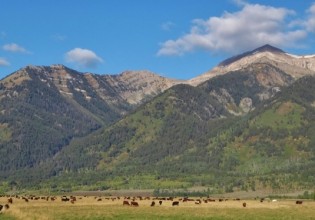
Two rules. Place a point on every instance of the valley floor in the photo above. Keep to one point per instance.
(112, 208)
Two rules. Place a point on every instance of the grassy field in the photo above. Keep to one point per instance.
(90, 208)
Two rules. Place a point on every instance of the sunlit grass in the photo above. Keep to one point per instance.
(90, 208)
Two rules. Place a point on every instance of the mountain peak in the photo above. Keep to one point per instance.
(264, 48)
(267, 48)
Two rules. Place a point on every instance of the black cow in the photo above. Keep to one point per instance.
(64, 199)
(160, 202)
(175, 203)
(299, 202)
(1, 207)
(152, 203)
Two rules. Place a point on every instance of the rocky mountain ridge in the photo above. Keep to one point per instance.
(294, 65)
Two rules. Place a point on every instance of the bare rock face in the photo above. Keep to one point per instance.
(135, 86)
(246, 104)
(295, 66)
(132, 87)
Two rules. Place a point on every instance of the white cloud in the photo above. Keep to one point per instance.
(310, 23)
(15, 48)
(252, 26)
(83, 57)
(4, 62)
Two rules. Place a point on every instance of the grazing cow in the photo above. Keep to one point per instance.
(1, 206)
(126, 203)
(152, 203)
(175, 203)
(244, 204)
(64, 199)
(299, 202)
(10, 200)
(135, 204)
(99, 199)
(198, 202)
(160, 202)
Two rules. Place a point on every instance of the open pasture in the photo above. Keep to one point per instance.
(113, 208)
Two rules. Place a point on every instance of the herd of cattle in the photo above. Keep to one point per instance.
(126, 201)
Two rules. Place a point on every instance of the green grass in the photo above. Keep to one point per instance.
(6, 217)
(286, 115)
(89, 208)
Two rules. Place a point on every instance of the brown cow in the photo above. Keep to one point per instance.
(299, 202)
(126, 202)
(244, 204)
(6, 206)
(175, 203)
(160, 202)
(1, 206)
(198, 202)
(152, 203)
(135, 204)
(10, 200)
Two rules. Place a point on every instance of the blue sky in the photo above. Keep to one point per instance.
(174, 38)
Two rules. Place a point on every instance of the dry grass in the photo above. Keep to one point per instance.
(90, 208)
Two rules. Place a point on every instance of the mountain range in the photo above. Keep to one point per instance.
(248, 123)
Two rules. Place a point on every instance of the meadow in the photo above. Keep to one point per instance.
(91, 208)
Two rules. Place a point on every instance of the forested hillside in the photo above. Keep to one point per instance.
(173, 142)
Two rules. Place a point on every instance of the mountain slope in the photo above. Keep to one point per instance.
(43, 108)
(179, 137)
(172, 143)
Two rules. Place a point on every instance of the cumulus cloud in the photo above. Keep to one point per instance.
(310, 23)
(14, 48)
(252, 26)
(83, 57)
(4, 62)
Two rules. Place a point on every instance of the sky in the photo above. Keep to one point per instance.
(178, 39)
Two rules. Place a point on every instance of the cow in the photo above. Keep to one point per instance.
(135, 204)
(198, 202)
(175, 203)
(6, 206)
(152, 203)
(10, 200)
(64, 199)
(244, 204)
(1, 206)
(299, 202)
(126, 202)
(160, 202)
